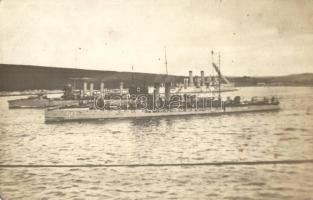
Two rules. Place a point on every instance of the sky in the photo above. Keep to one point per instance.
(254, 38)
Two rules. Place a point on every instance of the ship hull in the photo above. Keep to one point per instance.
(41, 103)
(63, 115)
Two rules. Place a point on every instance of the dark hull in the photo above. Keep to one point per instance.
(62, 115)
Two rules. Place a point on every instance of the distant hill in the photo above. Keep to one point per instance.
(296, 79)
(21, 77)
(305, 79)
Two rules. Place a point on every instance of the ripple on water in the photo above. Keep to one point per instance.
(284, 135)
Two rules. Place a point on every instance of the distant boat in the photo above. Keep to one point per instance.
(41, 101)
(71, 97)
(29, 92)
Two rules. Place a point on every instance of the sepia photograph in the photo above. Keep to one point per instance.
(156, 99)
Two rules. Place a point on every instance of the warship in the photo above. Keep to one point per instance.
(202, 84)
(150, 102)
(71, 95)
(145, 107)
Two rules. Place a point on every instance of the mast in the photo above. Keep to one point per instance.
(219, 77)
(167, 84)
(219, 74)
(212, 58)
(165, 61)
(132, 73)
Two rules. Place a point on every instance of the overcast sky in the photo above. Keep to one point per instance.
(263, 37)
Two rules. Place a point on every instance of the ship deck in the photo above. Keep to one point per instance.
(61, 115)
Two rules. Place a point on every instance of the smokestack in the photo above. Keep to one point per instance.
(190, 78)
(85, 88)
(156, 91)
(121, 87)
(197, 81)
(186, 83)
(101, 88)
(202, 78)
(167, 91)
(91, 89)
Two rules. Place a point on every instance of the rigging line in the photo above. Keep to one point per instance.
(264, 162)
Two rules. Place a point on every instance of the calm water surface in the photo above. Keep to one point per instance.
(283, 135)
